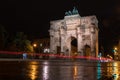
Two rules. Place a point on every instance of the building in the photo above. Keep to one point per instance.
(74, 27)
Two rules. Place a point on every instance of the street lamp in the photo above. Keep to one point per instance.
(115, 53)
(34, 45)
(116, 48)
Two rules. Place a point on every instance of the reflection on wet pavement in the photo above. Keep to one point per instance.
(59, 70)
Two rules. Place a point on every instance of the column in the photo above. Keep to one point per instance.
(80, 44)
(62, 43)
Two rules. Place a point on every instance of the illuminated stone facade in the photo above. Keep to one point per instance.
(83, 29)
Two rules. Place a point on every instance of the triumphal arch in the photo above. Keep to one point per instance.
(74, 35)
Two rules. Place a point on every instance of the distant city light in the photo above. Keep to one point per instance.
(40, 44)
(46, 50)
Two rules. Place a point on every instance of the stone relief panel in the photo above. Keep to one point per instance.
(87, 37)
(56, 39)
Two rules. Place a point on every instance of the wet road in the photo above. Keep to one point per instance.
(58, 70)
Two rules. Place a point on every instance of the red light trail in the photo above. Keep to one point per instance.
(57, 56)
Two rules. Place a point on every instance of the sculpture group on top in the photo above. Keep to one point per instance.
(73, 12)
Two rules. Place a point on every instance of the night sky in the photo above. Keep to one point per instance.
(33, 16)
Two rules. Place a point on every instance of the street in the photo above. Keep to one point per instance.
(58, 70)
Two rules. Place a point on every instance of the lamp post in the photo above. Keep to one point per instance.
(119, 49)
(34, 47)
(40, 48)
(116, 53)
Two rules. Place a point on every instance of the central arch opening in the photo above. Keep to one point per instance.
(73, 46)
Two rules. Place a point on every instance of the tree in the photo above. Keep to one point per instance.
(3, 37)
(21, 43)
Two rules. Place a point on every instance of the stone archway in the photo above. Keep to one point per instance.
(82, 29)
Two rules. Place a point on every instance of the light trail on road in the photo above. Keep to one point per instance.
(58, 56)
